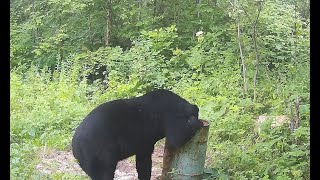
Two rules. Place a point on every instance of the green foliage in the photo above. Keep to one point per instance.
(41, 114)
(22, 159)
(162, 39)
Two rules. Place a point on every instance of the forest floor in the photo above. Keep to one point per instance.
(55, 161)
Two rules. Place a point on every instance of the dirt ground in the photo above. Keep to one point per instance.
(54, 161)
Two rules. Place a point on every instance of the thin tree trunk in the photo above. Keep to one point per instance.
(198, 4)
(256, 65)
(294, 34)
(175, 14)
(61, 51)
(298, 119)
(256, 54)
(245, 86)
(295, 118)
(139, 5)
(154, 8)
(243, 65)
(61, 43)
(90, 34)
(35, 29)
(254, 39)
(108, 25)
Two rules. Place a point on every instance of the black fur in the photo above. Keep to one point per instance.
(118, 129)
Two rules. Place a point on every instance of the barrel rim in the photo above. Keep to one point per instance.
(204, 122)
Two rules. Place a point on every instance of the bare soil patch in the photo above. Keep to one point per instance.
(55, 161)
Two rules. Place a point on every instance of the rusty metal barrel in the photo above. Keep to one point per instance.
(187, 162)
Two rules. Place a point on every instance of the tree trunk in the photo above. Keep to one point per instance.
(90, 34)
(154, 8)
(254, 36)
(243, 65)
(245, 86)
(35, 29)
(108, 25)
(198, 13)
(61, 43)
(198, 4)
(139, 5)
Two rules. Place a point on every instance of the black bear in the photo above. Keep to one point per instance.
(121, 128)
